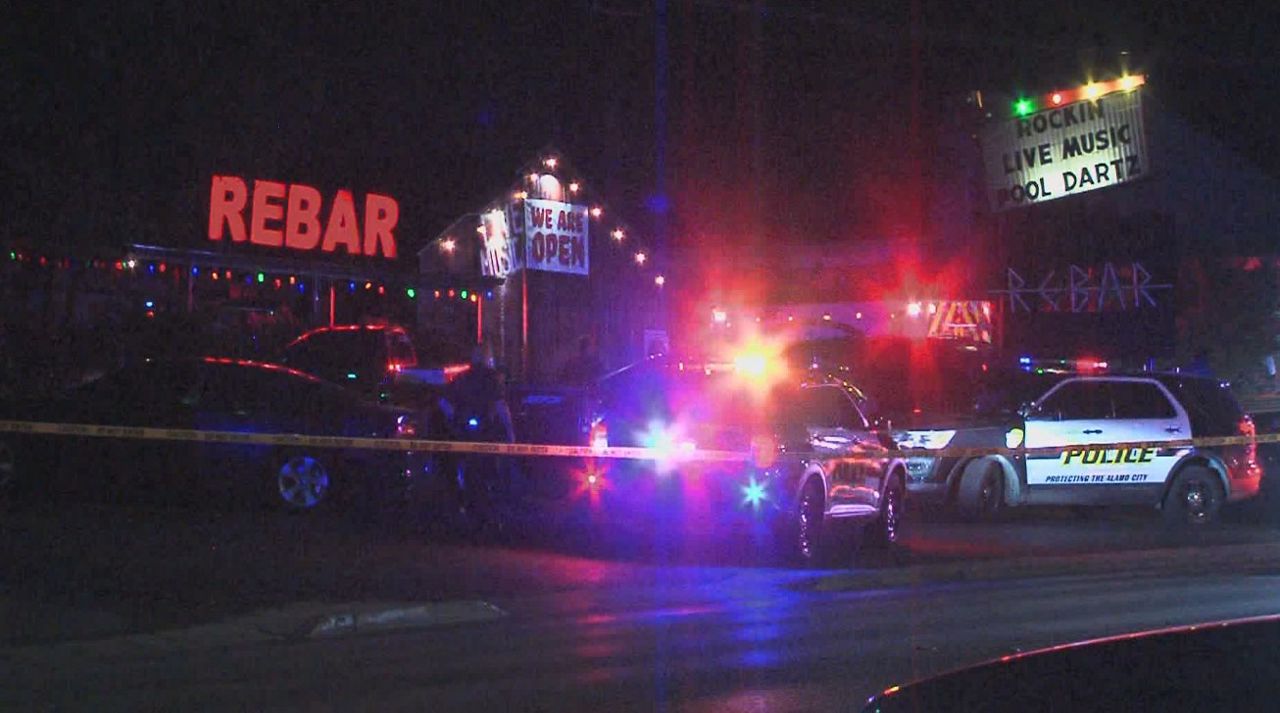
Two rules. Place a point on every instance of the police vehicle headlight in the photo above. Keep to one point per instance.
(1013, 437)
(928, 440)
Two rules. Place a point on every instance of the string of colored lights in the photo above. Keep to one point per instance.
(214, 273)
(620, 235)
(1091, 91)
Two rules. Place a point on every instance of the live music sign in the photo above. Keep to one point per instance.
(290, 216)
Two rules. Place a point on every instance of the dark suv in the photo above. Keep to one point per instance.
(1078, 422)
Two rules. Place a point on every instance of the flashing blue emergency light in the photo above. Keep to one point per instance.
(754, 493)
(195, 270)
(1025, 361)
(351, 287)
(149, 304)
(473, 422)
(302, 287)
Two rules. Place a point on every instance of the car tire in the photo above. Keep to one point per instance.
(1194, 499)
(301, 483)
(980, 497)
(886, 531)
(810, 533)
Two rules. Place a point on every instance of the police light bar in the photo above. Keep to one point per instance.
(1062, 366)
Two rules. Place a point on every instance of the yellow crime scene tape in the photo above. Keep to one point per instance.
(537, 449)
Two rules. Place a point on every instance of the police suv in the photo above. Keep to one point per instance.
(822, 481)
(1078, 421)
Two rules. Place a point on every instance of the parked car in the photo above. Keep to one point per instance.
(379, 362)
(366, 358)
(209, 394)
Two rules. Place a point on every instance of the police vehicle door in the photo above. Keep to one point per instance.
(838, 428)
(1144, 411)
(1071, 416)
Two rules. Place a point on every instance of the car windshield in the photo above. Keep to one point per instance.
(719, 405)
(657, 355)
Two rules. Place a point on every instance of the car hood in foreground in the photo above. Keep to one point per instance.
(1231, 665)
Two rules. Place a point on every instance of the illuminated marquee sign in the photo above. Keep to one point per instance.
(495, 244)
(289, 216)
(1066, 143)
(556, 237)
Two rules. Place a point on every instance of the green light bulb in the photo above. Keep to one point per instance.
(411, 292)
(1023, 107)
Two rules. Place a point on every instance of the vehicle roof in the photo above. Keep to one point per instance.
(346, 328)
(265, 366)
(676, 367)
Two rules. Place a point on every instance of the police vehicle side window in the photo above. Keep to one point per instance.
(1136, 399)
(1077, 401)
(829, 408)
(1212, 408)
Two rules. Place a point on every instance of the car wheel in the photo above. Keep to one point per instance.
(810, 532)
(302, 483)
(981, 494)
(885, 532)
(1194, 499)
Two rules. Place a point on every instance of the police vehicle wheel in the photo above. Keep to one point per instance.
(981, 493)
(302, 483)
(886, 530)
(1194, 499)
(811, 536)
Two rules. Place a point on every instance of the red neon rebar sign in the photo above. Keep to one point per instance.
(289, 216)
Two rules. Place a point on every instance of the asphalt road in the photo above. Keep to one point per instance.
(727, 640)
(584, 624)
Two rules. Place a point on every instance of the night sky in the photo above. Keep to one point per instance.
(793, 121)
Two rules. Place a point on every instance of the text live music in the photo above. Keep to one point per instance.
(1079, 176)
